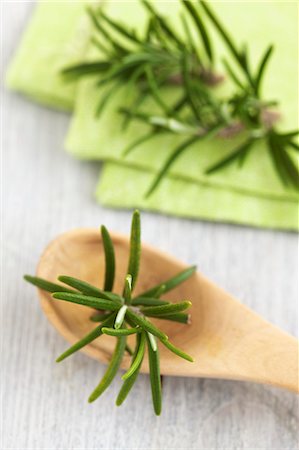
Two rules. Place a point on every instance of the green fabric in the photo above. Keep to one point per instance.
(123, 187)
(253, 196)
(58, 32)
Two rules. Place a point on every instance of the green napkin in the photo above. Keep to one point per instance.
(50, 41)
(123, 187)
(58, 32)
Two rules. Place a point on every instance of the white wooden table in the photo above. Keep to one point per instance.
(45, 405)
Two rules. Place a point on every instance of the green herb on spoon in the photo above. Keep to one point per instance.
(122, 315)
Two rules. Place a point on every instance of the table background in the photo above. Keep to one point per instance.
(45, 192)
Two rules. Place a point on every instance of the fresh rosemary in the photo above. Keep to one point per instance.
(121, 315)
(162, 57)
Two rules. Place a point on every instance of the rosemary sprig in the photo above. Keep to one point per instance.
(144, 61)
(122, 315)
(161, 56)
(243, 112)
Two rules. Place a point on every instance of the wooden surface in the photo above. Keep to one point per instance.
(44, 405)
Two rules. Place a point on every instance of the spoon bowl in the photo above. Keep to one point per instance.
(226, 339)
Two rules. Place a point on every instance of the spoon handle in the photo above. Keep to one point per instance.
(244, 346)
(270, 356)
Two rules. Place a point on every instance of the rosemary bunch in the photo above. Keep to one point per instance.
(146, 61)
(161, 57)
(208, 116)
(121, 315)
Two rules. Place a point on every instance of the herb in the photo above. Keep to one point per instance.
(162, 57)
(123, 315)
(148, 61)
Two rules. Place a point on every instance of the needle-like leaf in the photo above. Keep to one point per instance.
(128, 384)
(166, 309)
(177, 350)
(262, 67)
(109, 259)
(47, 285)
(155, 377)
(138, 358)
(86, 300)
(146, 324)
(135, 248)
(94, 334)
(111, 369)
(121, 331)
(147, 301)
(128, 289)
(169, 162)
(121, 29)
(200, 28)
(88, 289)
(234, 155)
(91, 68)
(171, 283)
(175, 317)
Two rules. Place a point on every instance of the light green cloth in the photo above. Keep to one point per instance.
(123, 187)
(254, 196)
(58, 32)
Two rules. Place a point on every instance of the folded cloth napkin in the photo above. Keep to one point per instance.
(58, 32)
(254, 196)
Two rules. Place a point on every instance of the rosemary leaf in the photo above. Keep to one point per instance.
(121, 29)
(177, 350)
(91, 68)
(166, 309)
(146, 324)
(128, 289)
(121, 331)
(176, 317)
(232, 74)
(166, 28)
(98, 331)
(222, 32)
(47, 285)
(147, 301)
(128, 384)
(88, 289)
(81, 299)
(111, 369)
(234, 155)
(171, 283)
(155, 377)
(135, 248)
(169, 162)
(200, 27)
(106, 34)
(137, 142)
(136, 364)
(109, 259)
(106, 97)
(261, 69)
(155, 90)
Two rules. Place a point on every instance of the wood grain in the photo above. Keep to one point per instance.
(44, 405)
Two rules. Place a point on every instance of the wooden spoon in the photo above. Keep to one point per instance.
(227, 339)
